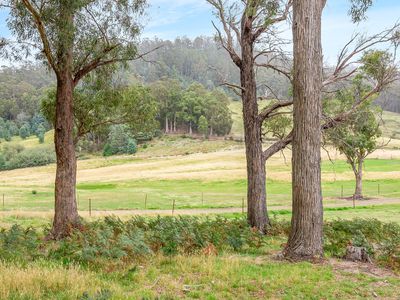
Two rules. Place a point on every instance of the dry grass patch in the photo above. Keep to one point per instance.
(47, 281)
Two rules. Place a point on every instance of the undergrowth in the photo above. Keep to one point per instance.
(111, 241)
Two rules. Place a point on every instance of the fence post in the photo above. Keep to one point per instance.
(354, 202)
(90, 207)
(379, 189)
(173, 206)
(3, 203)
(202, 198)
(145, 201)
(242, 205)
(342, 192)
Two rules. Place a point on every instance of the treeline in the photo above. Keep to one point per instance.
(200, 60)
(24, 126)
(186, 60)
(112, 118)
(194, 109)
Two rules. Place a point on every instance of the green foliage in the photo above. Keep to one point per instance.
(278, 126)
(16, 156)
(203, 125)
(24, 131)
(382, 240)
(376, 64)
(116, 240)
(358, 9)
(182, 109)
(357, 135)
(40, 132)
(111, 241)
(19, 244)
(89, 41)
(120, 141)
(98, 106)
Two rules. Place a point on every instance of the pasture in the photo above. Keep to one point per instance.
(207, 179)
(207, 175)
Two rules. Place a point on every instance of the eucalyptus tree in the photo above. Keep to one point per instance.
(306, 236)
(245, 27)
(357, 137)
(248, 32)
(73, 38)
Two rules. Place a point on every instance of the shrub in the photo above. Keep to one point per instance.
(382, 240)
(24, 131)
(15, 157)
(203, 126)
(40, 132)
(119, 141)
(19, 244)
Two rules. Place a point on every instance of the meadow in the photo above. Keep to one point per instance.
(196, 177)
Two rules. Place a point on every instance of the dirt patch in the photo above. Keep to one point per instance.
(369, 269)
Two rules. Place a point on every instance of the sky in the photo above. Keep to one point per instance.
(168, 19)
(171, 18)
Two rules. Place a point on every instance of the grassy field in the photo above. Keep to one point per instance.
(209, 176)
(195, 174)
(195, 277)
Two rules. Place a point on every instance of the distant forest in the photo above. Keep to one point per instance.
(185, 60)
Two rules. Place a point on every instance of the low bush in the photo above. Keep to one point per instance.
(19, 244)
(112, 241)
(382, 240)
(16, 157)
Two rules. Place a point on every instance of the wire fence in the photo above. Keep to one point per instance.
(113, 200)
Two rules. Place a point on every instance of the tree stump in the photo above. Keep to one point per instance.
(357, 254)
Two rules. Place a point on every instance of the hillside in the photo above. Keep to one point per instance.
(390, 125)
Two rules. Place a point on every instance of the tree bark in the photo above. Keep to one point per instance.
(256, 189)
(306, 237)
(66, 212)
(358, 174)
(166, 125)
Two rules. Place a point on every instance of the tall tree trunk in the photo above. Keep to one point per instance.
(256, 189)
(358, 174)
(190, 128)
(66, 212)
(306, 240)
(166, 125)
(174, 123)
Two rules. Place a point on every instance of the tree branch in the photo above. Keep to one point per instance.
(266, 112)
(42, 32)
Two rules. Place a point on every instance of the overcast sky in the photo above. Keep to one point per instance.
(171, 18)
(168, 19)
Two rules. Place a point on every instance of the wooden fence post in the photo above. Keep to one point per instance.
(90, 207)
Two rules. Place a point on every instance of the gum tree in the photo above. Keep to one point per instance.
(306, 236)
(245, 29)
(73, 38)
(249, 32)
(356, 137)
